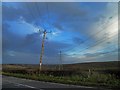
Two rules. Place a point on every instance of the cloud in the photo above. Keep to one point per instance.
(92, 57)
(58, 13)
(32, 38)
(9, 40)
(105, 29)
(73, 21)
(78, 40)
(10, 13)
(58, 26)
(16, 49)
(14, 57)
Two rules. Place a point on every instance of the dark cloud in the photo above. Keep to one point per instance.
(22, 47)
(66, 11)
(9, 39)
(58, 26)
(78, 40)
(37, 13)
(25, 11)
(32, 38)
(10, 13)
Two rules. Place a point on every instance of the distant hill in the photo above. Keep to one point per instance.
(76, 66)
(94, 65)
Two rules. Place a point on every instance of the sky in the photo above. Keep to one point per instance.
(82, 31)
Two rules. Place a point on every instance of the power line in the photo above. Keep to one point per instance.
(96, 44)
(101, 40)
(48, 13)
(27, 6)
(109, 48)
(36, 7)
(115, 50)
(90, 37)
(44, 36)
(42, 50)
(38, 10)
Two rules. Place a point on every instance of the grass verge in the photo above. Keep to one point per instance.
(100, 80)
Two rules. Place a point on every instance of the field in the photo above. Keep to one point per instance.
(103, 74)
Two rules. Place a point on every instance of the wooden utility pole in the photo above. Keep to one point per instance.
(42, 49)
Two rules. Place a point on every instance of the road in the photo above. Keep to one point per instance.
(13, 82)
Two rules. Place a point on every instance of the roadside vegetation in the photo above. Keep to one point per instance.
(108, 77)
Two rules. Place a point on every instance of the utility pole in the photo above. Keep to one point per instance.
(42, 49)
(60, 65)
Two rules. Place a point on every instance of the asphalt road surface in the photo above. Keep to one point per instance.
(15, 83)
